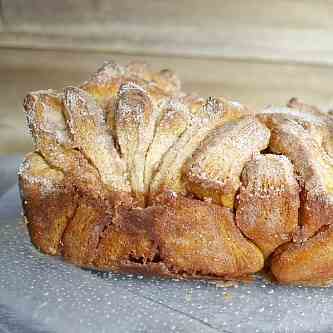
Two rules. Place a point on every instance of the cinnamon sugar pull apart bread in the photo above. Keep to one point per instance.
(131, 174)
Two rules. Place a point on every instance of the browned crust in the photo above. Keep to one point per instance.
(127, 240)
(82, 233)
(309, 263)
(200, 238)
(138, 240)
(48, 203)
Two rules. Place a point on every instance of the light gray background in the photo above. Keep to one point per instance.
(257, 52)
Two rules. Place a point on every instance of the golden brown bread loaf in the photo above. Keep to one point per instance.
(131, 174)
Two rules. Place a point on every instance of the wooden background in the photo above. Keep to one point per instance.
(258, 52)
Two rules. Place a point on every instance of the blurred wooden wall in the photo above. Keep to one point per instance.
(259, 52)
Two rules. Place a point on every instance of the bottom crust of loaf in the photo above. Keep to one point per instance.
(175, 236)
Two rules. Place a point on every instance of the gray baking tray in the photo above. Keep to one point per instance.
(39, 293)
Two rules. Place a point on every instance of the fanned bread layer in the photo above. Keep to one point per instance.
(213, 170)
(44, 111)
(308, 263)
(205, 116)
(90, 135)
(267, 212)
(313, 166)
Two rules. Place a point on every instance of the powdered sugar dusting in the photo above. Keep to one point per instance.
(218, 162)
(81, 104)
(108, 72)
(88, 127)
(212, 107)
(36, 172)
(44, 113)
(128, 107)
